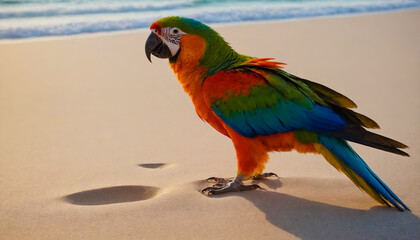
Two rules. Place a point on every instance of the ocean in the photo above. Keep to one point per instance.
(37, 18)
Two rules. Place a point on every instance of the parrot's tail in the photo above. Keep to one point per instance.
(339, 154)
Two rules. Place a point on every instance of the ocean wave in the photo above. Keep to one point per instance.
(291, 11)
(209, 14)
(72, 28)
(50, 10)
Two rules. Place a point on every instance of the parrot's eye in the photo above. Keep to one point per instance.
(175, 31)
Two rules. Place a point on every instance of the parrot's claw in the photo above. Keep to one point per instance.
(219, 185)
(263, 176)
(229, 188)
(224, 186)
(217, 180)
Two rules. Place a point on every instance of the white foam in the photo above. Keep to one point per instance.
(59, 9)
(112, 17)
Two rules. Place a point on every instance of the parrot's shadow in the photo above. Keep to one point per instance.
(307, 219)
(270, 183)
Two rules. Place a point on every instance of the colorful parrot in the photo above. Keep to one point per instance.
(262, 108)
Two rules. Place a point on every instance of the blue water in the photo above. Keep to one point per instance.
(36, 18)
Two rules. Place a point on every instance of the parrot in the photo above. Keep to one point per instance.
(262, 108)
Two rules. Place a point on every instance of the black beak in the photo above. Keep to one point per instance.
(155, 46)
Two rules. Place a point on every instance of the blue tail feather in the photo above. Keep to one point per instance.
(394, 196)
(348, 158)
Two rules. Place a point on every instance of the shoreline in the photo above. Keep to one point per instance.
(214, 25)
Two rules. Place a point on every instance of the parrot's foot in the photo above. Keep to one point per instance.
(224, 185)
(224, 181)
(263, 176)
(219, 182)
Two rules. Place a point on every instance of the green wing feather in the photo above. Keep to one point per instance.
(288, 85)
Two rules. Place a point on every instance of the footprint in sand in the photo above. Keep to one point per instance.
(118, 194)
(154, 165)
(110, 195)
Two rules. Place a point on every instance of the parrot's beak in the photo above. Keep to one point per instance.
(155, 46)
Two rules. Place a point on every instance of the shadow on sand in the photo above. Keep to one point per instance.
(110, 195)
(307, 219)
(153, 165)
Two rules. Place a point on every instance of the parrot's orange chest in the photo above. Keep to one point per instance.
(187, 67)
(191, 75)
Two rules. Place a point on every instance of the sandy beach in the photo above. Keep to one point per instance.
(98, 143)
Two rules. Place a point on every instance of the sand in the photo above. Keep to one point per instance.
(97, 143)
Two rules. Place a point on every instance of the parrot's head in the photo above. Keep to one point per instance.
(187, 39)
(170, 33)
